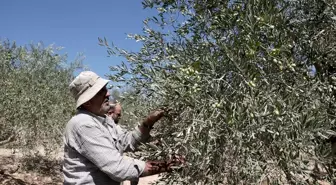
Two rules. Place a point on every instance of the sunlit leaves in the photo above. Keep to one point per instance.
(238, 78)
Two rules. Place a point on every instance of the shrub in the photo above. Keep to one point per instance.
(35, 103)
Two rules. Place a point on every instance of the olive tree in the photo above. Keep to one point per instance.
(35, 100)
(250, 85)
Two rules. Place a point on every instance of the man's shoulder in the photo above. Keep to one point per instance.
(80, 120)
(80, 117)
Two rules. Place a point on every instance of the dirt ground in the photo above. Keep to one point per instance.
(16, 170)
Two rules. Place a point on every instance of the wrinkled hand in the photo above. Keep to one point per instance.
(156, 167)
(177, 160)
(153, 117)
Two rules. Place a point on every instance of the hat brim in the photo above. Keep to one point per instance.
(91, 92)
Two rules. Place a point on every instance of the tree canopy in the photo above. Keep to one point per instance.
(251, 85)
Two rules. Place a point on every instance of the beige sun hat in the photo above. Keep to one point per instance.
(85, 86)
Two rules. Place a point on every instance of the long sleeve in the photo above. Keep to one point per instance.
(130, 140)
(97, 147)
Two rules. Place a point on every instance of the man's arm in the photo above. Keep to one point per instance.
(130, 140)
(97, 148)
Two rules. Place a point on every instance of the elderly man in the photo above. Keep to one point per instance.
(94, 144)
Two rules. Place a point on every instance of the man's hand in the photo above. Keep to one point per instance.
(153, 117)
(176, 161)
(156, 167)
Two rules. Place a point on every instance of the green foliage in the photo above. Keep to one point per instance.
(250, 84)
(35, 100)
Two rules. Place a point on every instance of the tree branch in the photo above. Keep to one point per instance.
(8, 140)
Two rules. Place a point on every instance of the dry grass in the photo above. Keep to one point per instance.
(15, 169)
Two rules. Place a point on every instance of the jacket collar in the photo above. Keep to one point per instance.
(101, 119)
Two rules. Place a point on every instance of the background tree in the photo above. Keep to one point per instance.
(35, 100)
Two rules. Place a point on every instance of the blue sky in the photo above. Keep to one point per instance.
(75, 25)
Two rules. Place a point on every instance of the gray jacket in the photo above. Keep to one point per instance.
(93, 151)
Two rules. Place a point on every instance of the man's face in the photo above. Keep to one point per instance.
(99, 104)
(116, 114)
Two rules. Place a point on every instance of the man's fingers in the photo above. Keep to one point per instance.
(154, 169)
(178, 160)
(160, 112)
